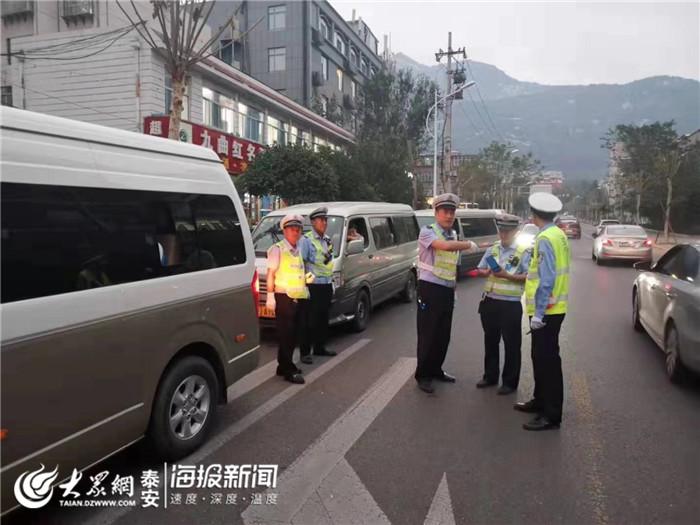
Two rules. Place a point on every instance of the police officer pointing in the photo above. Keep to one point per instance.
(500, 308)
(438, 253)
(317, 251)
(287, 294)
(546, 298)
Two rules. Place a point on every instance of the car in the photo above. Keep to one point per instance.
(623, 242)
(475, 225)
(570, 226)
(666, 304)
(526, 235)
(375, 248)
(602, 224)
(128, 294)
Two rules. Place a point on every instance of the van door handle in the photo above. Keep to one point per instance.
(370, 256)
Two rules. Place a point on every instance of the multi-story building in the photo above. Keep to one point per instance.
(303, 49)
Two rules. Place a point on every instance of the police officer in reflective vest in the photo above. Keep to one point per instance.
(500, 308)
(438, 253)
(287, 294)
(317, 251)
(546, 298)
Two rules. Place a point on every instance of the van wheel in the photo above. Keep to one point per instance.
(674, 366)
(362, 306)
(184, 409)
(408, 295)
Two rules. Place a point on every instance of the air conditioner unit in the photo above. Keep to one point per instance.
(316, 36)
(348, 101)
(317, 79)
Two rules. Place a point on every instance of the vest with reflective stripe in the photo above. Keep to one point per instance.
(445, 264)
(500, 286)
(290, 277)
(318, 268)
(559, 299)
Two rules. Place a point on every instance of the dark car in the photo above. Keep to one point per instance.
(570, 226)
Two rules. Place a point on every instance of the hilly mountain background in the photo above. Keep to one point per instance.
(561, 125)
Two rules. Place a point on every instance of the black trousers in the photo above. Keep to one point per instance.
(546, 364)
(315, 333)
(502, 319)
(435, 306)
(289, 319)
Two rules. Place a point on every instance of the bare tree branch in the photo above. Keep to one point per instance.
(197, 32)
(243, 36)
(146, 35)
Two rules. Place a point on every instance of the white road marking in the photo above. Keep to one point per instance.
(441, 512)
(300, 481)
(253, 380)
(341, 498)
(110, 516)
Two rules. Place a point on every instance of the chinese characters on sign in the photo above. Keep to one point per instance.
(236, 153)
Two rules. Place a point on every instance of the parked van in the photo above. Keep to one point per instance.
(378, 265)
(128, 294)
(475, 225)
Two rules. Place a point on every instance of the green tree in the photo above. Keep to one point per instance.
(293, 172)
(352, 184)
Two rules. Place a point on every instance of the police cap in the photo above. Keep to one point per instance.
(291, 220)
(507, 222)
(447, 200)
(318, 213)
(545, 202)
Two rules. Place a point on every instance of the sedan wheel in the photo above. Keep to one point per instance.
(674, 367)
(635, 313)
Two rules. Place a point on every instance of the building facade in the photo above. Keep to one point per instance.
(303, 49)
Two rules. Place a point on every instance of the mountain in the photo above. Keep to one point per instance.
(561, 125)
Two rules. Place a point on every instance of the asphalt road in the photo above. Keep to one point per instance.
(361, 444)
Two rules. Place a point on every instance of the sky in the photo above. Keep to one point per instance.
(554, 42)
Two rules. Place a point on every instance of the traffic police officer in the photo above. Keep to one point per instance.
(500, 308)
(546, 298)
(317, 251)
(287, 294)
(438, 253)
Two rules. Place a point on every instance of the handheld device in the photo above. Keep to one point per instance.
(493, 263)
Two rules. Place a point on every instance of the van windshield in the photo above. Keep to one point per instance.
(269, 232)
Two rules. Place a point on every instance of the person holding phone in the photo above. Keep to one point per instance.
(505, 268)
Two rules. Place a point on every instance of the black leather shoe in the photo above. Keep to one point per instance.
(485, 384)
(325, 352)
(540, 423)
(297, 379)
(505, 390)
(529, 407)
(426, 386)
(446, 378)
(307, 360)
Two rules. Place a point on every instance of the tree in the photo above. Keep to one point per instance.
(177, 38)
(293, 172)
(352, 184)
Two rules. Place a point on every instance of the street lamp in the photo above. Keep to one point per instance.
(427, 118)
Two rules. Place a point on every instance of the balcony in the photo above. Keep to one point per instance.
(74, 10)
(17, 9)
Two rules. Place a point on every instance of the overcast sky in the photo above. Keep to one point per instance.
(555, 42)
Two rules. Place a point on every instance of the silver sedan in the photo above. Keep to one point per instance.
(621, 241)
(666, 303)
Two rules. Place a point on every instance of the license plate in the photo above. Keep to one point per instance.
(624, 244)
(264, 311)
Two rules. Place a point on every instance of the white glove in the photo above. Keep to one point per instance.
(536, 323)
(270, 302)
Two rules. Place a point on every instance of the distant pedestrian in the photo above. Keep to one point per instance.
(438, 253)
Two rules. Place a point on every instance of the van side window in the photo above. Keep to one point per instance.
(218, 231)
(381, 231)
(406, 228)
(59, 239)
(358, 228)
(478, 227)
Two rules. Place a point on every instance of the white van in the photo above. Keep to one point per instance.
(129, 293)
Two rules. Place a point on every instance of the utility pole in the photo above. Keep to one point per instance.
(447, 138)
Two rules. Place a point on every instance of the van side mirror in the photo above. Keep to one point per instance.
(355, 247)
(642, 266)
(594, 234)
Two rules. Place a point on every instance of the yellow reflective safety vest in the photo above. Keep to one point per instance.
(319, 269)
(290, 277)
(559, 299)
(445, 263)
(501, 286)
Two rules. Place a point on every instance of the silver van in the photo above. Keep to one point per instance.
(378, 265)
(475, 225)
(128, 295)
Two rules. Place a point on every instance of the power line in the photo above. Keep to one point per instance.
(464, 110)
(29, 57)
(486, 109)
